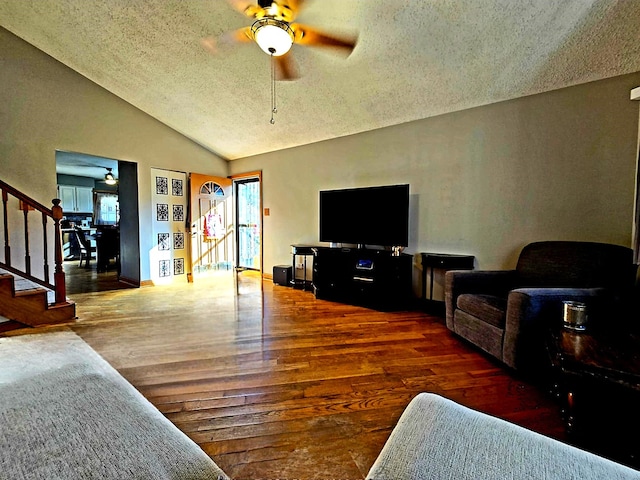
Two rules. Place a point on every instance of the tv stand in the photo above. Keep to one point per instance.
(367, 277)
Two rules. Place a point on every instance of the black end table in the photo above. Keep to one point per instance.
(304, 251)
(597, 380)
(442, 261)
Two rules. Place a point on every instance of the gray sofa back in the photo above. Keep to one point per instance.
(575, 264)
(437, 438)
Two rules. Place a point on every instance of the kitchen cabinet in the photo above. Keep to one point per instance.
(76, 199)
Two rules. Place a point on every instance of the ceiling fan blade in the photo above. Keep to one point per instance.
(285, 10)
(286, 67)
(295, 5)
(250, 8)
(288, 10)
(310, 36)
(242, 35)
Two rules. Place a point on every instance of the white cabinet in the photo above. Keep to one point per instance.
(84, 199)
(76, 199)
(67, 196)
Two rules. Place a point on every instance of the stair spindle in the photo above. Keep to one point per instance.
(59, 277)
(45, 244)
(27, 254)
(7, 247)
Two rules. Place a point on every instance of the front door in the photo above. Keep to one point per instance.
(212, 230)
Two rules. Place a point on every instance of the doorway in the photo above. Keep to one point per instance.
(249, 228)
(105, 214)
(226, 230)
(247, 190)
(212, 229)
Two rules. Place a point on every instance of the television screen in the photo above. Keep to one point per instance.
(367, 216)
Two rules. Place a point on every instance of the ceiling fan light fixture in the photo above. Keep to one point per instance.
(273, 36)
(109, 179)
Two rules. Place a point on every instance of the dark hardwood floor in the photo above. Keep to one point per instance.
(87, 279)
(273, 383)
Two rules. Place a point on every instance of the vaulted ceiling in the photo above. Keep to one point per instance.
(413, 59)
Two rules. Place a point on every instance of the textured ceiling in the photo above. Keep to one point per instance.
(414, 59)
(80, 164)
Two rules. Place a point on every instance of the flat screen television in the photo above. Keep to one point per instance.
(366, 216)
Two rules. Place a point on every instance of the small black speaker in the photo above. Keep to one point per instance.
(282, 275)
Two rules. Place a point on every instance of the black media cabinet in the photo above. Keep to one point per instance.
(367, 277)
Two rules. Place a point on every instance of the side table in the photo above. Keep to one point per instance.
(443, 261)
(304, 251)
(596, 377)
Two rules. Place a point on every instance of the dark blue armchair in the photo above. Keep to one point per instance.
(507, 313)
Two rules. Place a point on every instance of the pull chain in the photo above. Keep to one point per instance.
(274, 107)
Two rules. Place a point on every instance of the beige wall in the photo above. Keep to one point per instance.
(47, 107)
(488, 180)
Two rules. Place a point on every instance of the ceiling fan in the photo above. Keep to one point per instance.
(109, 177)
(275, 33)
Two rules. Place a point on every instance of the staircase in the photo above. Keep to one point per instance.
(30, 304)
(26, 296)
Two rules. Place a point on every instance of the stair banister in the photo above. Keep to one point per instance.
(55, 213)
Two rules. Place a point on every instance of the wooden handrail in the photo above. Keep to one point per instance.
(26, 199)
(28, 204)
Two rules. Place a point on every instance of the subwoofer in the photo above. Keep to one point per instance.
(282, 275)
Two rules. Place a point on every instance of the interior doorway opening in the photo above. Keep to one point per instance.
(102, 214)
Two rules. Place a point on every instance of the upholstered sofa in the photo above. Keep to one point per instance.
(66, 414)
(437, 439)
(507, 312)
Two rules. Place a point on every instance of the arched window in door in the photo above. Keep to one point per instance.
(212, 188)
